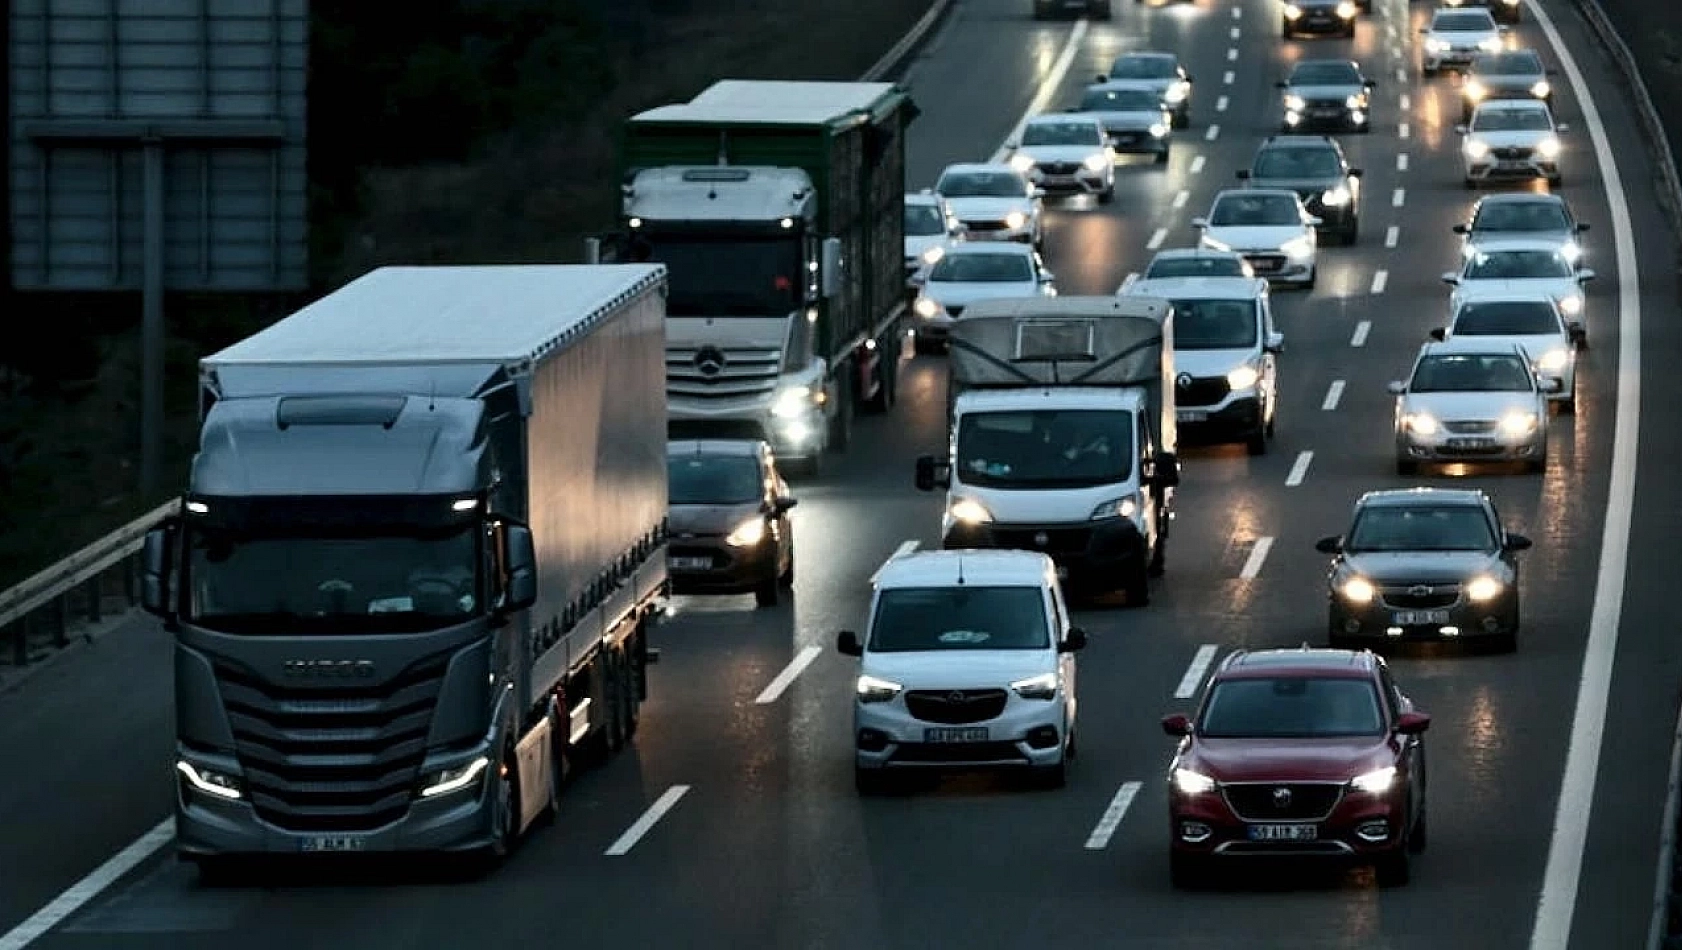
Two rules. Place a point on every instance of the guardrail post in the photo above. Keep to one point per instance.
(131, 572)
(61, 619)
(20, 642)
(94, 594)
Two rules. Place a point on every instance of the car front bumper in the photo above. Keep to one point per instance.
(1491, 167)
(1234, 418)
(1360, 826)
(1456, 58)
(1081, 180)
(1487, 446)
(1423, 617)
(1026, 732)
(727, 570)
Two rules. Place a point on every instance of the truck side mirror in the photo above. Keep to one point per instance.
(847, 643)
(1166, 470)
(1073, 642)
(932, 473)
(1243, 174)
(831, 267)
(520, 556)
(157, 553)
(1275, 342)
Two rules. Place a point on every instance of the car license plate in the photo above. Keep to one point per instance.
(1419, 618)
(692, 563)
(1264, 265)
(1325, 113)
(332, 843)
(967, 734)
(1471, 443)
(1191, 415)
(1284, 832)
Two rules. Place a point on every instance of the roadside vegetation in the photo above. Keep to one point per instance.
(460, 131)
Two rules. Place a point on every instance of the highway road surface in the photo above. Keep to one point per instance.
(733, 821)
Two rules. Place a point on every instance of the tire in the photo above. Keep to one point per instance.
(1417, 838)
(1162, 157)
(1107, 196)
(1557, 181)
(1406, 469)
(786, 578)
(1537, 466)
(1052, 776)
(505, 821)
(1256, 444)
(1137, 587)
(614, 732)
(1181, 119)
(1505, 642)
(1313, 278)
(1158, 565)
(1284, 27)
(765, 594)
(1352, 235)
(1185, 872)
(1394, 869)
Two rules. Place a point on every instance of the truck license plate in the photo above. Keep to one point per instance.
(969, 734)
(332, 843)
(691, 563)
(1419, 618)
(1284, 832)
(1191, 415)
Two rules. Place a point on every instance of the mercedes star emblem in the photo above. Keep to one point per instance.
(1281, 798)
(709, 360)
(1184, 380)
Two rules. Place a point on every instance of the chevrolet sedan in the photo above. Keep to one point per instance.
(1471, 401)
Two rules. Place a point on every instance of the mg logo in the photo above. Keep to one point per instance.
(1281, 798)
(709, 360)
(328, 669)
(1184, 380)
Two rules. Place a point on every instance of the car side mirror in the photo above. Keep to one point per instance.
(1356, 172)
(1047, 277)
(1275, 342)
(1243, 174)
(1177, 725)
(1037, 192)
(1073, 642)
(1517, 542)
(1550, 384)
(1329, 545)
(1200, 223)
(1369, 84)
(1013, 144)
(1585, 275)
(1450, 277)
(157, 554)
(1578, 336)
(519, 553)
(1397, 387)
(933, 473)
(782, 505)
(847, 642)
(1461, 129)
(1462, 229)
(1438, 333)
(1581, 227)
(1281, 85)
(1313, 221)
(1166, 472)
(1102, 77)
(1189, 79)
(1412, 723)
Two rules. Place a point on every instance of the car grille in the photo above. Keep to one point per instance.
(936, 752)
(1263, 262)
(1201, 391)
(1057, 540)
(987, 225)
(1470, 428)
(1060, 168)
(1324, 106)
(1421, 596)
(331, 758)
(955, 707)
(1261, 801)
(1510, 153)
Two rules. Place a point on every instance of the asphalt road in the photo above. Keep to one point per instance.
(770, 846)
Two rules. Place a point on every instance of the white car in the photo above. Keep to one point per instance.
(1524, 214)
(1522, 266)
(1068, 154)
(967, 661)
(1471, 400)
(968, 272)
(1163, 74)
(930, 228)
(1529, 320)
(1511, 138)
(1190, 262)
(994, 202)
(1269, 227)
(1456, 36)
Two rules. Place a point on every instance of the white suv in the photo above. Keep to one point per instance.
(967, 661)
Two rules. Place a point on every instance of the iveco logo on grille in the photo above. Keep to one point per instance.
(1282, 798)
(709, 360)
(329, 669)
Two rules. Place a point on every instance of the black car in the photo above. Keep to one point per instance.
(1424, 563)
(1320, 16)
(728, 526)
(1326, 94)
(1509, 74)
(1096, 9)
(1504, 11)
(1315, 168)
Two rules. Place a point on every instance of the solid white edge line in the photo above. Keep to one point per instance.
(786, 678)
(1157, 238)
(905, 547)
(1392, 236)
(77, 895)
(1117, 810)
(1199, 665)
(1196, 164)
(665, 803)
(1557, 902)
(1048, 88)
(1258, 557)
(1359, 338)
(1334, 392)
(1299, 469)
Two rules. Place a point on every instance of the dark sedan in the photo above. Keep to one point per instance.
(1329, 94)
(1315, 168)
(1320, 16)
(1424, 563)
(1509, 74)
(1298, 753)
(729, 530)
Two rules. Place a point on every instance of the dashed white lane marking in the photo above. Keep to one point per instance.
(1196, 164)
(1228, 77)
(1160, 235)
(1402, 131)
(1299, 469)
(1102, 832)
(1236, 33)
(1199, 665)
(1180, 198)
(1401, 161)
(1392, 236)
(1398, 197)
(1221, 104)
(1401, 74)
(649, 819)
(88, 887)
(1334, 392)
(1237, 14)
(1231, 55)
(1361, 330)
(905, 547)
(1213, 133)
(1258, 557)
(786, 678)
(1407, 101)
(1379, 279)
(1049, 86)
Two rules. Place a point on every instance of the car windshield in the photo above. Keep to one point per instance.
(923, 220)
(1185, 265)
(1511, 63)
(981, 185)
(1143, 67)
(1521, 216)
(1291, 707)
(1463, 21)
(1380, 528)
(1470, 373)
(1511, 120)
(1120, 100)
(1045, 448)
(981, 269)
(1296, 163)
(1517, 265)
(1214, 324)
(1325, 74)
(916, 619)
(1240, 210)
(1063, 133)
(1506, 318)
(713, 479)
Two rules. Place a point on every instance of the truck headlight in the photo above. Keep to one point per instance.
(1043, 686)
(1015, 220)
(1358, 590)
(872, 689)
(1193, 783)
(1483, 589)
(1346, 10)
(1176, 93)
(926, 307)
(209, 781)
(1475, 91)
(1124, 507)
(1571, 304)
(1553, 361)
(970, 511)
(1292, 11)
(1337, 197)
(1421, 422)
(792, 402)
(1298, 246)
(1376, 782)
(747, 534)
(1158, 130)
(1097, 163)
(1244, 377)
(1518, 423)
(1541, 89)
(454, 779)
(1548, 147)
(1021, 162)
(1294, 103)
(1475, 149)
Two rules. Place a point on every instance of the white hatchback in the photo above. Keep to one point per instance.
(1510, 138)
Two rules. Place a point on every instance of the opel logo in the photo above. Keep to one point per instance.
(709, 360)
(329, 669)
(956, 696)
(1184, 380)
(1281, 797)
(1419, 590)
(1042, 539)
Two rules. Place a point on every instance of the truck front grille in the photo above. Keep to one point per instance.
(331, 759)
(709, 372)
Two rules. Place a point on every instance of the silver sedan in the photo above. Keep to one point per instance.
(1469, 401)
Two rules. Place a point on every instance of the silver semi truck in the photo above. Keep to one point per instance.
(414, 573)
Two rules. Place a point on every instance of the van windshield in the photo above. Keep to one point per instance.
(959, 618)
(1045, 448)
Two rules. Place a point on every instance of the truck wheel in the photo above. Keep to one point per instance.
(1256, 444)
(505, 818)
(841, 427)
(765, 595)
(1138, 586)
(887, 380)
(618, 685)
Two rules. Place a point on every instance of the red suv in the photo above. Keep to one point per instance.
(1299, 752)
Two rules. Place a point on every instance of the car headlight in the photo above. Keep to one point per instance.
(1376, 782)
(1043, 686)
(1015, 220)
(1337, 197)
(1346, 10)
(1553, 361)
(926, 307)
(934, 254)
(455, 779)
(1475, 149)
(1571, 304)
(1298, 246)
(792, 402)
(1193, 783)
(1021, 162)
(1158, 130)
(1548, 147)
(1436, 46)
(1097, 163)
(1541, 89)
(1242, 378)
(1176, 94)
(1491, 44)
(1294, 103)
(1213, 244)
(209, 781)
(1292, 11)
(872, 689)
(1421, 422)
(1518, 423)
(1483, 588)
(1571, 251)
(970, 511)
(1475, 91)
(1358, 590)
(747, 534)
(1356, 101)
(1125, 507)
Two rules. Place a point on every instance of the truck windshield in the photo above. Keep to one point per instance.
(1045, 448)
(1214, 324)
(729, 276)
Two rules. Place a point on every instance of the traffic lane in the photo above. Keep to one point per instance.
(91, 745)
